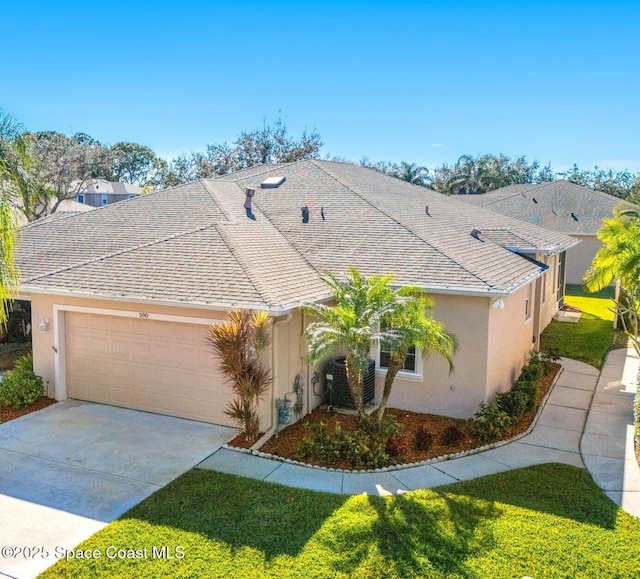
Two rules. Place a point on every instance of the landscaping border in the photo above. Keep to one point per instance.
(429, 461)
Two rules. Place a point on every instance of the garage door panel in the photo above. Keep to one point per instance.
(150, 365)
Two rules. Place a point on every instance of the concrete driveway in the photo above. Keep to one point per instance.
(68, 470)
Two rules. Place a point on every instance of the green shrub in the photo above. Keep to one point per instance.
(489, 422)
(372, 445)
(20, 387)
(24, 364)
(515, 402)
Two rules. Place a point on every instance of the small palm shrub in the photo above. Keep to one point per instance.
(21, 387)
(238, 342)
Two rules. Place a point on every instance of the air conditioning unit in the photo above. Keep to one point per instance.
(335, 372)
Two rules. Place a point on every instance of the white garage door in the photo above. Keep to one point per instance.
(151, 365)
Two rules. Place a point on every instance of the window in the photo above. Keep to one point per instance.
(105, 199)
(80, 198)
(410, 362)
(527, 303)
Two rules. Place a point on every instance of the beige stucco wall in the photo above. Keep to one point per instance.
(511, 341)
(492, 345)
(437, 391)
(579, 257)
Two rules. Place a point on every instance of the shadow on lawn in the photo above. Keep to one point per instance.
(556, 489)
(427, 531)
(412, 535)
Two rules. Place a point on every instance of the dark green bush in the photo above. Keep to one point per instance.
(451, 436)
(422, 439)
(489, 422)
(20, 387)
(370, 446)
(515, 403)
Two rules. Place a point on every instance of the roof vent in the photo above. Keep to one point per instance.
(305, 214)
(574, 217)
(534, 199)
(249, 192)
(272, 182)
(475, 233)
(427, 211)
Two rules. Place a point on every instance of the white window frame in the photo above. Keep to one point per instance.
(527, 303)
(405, 374)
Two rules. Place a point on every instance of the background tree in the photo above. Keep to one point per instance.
(136, 164)
(238, 342)
(472, 175)
(269, 144)
(622, 184)
(619, 258)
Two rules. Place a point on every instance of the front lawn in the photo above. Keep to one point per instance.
(590, 339)
(550, 520)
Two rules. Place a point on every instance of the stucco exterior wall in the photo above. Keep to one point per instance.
(435, 390)
(579, 257)
(549, 294)
(511, 341)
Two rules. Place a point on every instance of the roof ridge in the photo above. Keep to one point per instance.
(516, 194)
(120, 252)
(228, 241)
(217, 201)
(268, 167)
(409, 229)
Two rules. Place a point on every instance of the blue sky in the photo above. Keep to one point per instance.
(417, 81)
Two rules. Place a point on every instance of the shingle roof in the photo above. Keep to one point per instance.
(551, 205)
(195, 245)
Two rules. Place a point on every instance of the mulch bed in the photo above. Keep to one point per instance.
(288, 440)
(7, 413)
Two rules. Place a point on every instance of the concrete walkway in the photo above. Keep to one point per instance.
(587, 421)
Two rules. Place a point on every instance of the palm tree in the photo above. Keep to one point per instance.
(9, 275)
(369, 311)
(352, 324)
(412, 326)
(238, 342)
(619, 259)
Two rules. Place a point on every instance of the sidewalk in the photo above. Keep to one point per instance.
(586, 421)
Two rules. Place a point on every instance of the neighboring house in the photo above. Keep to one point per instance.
(560, 206)
(123, 296)
(98, 192)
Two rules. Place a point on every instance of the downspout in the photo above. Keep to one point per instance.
(274, 350)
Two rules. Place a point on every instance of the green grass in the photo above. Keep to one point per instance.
(590, 339)
(545, 521)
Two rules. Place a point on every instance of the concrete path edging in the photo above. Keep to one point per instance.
(585, 421)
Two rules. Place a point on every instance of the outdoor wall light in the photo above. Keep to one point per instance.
(498, 304)
(44, 325)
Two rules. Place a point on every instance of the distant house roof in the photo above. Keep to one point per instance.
(106, 187)
(561, 205)
(195, 245)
